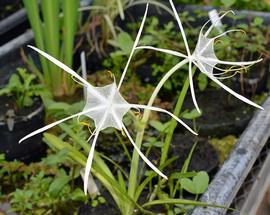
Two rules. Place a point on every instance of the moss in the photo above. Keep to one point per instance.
(224, 146)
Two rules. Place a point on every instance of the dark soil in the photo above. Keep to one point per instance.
(8, 7)
(181, 146)
(222, 113)
(101, 209)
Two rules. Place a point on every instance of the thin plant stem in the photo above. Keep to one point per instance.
(139, 138)
(173, 124)
(123, 144)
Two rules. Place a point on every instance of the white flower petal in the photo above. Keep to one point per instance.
(243, 63)
(211, 40)
(93, 133)
(226, 32)
(190, 76)
(167, 51)
(181, 27)
(55, 123)
(61, 65)
(164, 111)
(224, 71)
(89, 162)
(234, 93)
(152, 166)
(134, 46)
(111, 105)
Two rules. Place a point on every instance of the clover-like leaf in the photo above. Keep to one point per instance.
(197, 185)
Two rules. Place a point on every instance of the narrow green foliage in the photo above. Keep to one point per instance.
(70, 9)
(32, 9)
(49, 38)
(51, 30)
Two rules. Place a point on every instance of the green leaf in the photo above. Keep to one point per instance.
(54, 159)
(4, 91)
(191, 115)
(228, 3)
(102, 200)
(94, 203)
(125, 42)
(157, 144)
(58, 184)
(158, 125)
(146, 40)
(202, 81)
(201, 181)
(168, 85)
(14, 82)
(121, 180)
(2, 157)
(184, 202)
(32, 9)
(188, 185)
(58, 106)
(71, 14)
(27, 102)
(258, 21)
(197, 185)
(78, 195)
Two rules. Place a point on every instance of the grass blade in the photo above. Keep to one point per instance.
(50, 13)
(32, 10)
(70, 9)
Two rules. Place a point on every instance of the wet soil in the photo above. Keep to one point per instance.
(180, 148)
(222, 113)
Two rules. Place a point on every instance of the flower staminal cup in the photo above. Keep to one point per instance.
(106, 106)
(205, 59)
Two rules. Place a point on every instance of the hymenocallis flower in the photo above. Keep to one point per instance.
(205, 59)
(106, 106)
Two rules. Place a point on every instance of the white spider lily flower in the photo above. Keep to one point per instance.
(205, 59)
(106, 106)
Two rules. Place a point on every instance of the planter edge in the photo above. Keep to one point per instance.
(12, 21)
(228, 180)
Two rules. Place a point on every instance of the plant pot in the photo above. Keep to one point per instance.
(13, 22)
(32, 119)
(15, 125)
